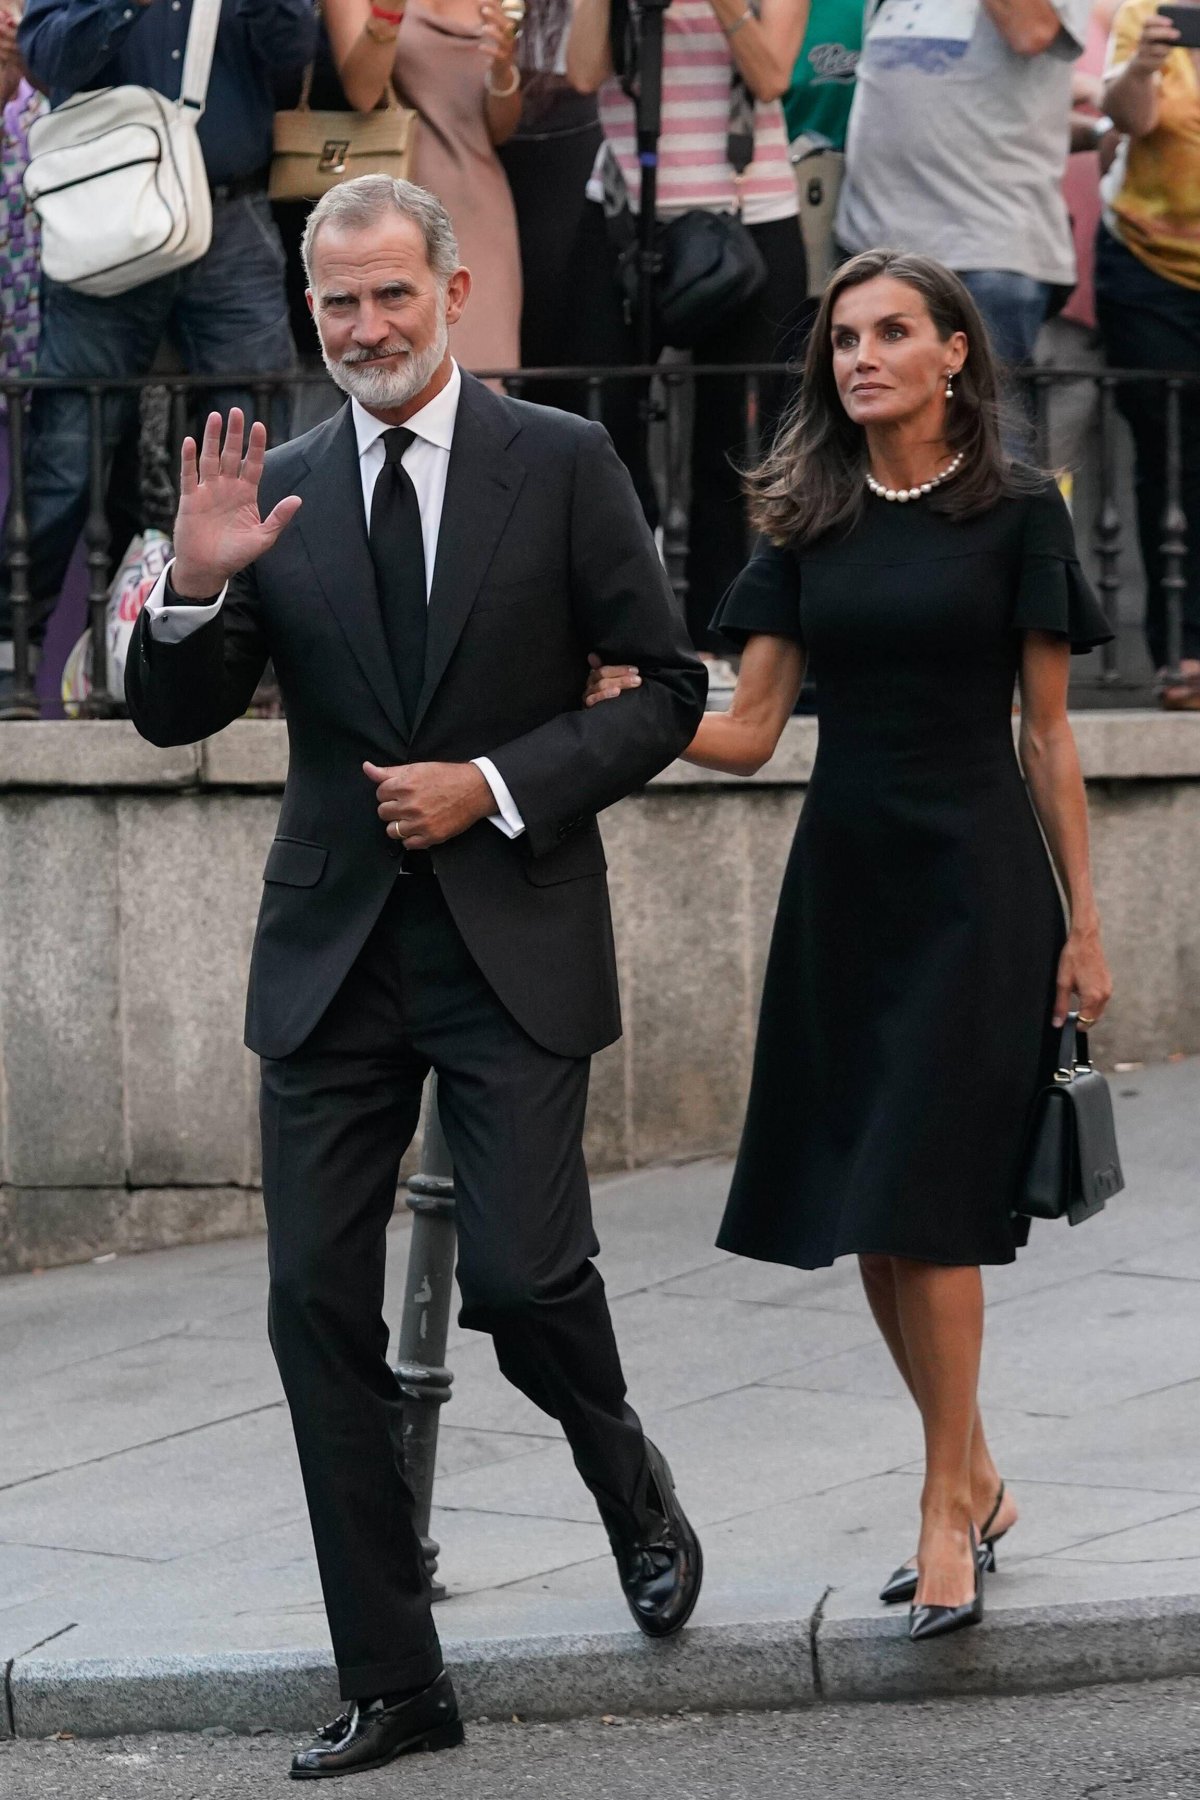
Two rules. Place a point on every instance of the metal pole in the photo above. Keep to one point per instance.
(24, 703)
(1174, 538)
(96, 536)
(1108, 527)
(420, 1369)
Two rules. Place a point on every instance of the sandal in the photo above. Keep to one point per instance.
(1179, 693)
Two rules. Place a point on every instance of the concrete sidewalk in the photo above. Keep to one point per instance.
(155, 1560)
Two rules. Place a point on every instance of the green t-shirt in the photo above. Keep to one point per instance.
(822, 87)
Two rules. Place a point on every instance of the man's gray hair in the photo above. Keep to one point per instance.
(358, 203)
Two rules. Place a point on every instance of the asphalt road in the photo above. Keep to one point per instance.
(1127, 1743)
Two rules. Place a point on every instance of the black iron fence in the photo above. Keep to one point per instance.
(1074, 423)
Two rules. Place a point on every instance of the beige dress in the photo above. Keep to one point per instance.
(440, 72)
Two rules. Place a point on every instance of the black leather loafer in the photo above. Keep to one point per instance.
(661, 1571)
(367, 1740)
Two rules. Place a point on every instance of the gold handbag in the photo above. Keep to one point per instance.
(316, 150)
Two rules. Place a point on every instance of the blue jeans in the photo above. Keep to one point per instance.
(1013, 307)
(1148, 322)
(226, 314)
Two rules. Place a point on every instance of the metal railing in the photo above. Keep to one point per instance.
(663, 395)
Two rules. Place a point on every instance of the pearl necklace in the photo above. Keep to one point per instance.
(914, 493)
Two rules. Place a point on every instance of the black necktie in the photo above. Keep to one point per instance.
(398, 552)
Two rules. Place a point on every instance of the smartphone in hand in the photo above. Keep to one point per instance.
(1186, 20)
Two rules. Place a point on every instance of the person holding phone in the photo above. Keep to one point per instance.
(1148, 290)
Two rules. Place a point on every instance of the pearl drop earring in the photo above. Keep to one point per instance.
(949, 385)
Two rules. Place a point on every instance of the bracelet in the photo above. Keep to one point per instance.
(732, 30)
(384, 12)
(504, 93)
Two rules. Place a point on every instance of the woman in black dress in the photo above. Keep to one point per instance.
(920, 964)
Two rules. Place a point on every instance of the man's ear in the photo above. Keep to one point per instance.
(311, 298)
(458, 290)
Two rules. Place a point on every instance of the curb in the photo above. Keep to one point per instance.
(780, 1665)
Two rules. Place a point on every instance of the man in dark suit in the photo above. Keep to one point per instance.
(435, 897)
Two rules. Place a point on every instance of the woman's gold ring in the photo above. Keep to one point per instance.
(1084, 1020)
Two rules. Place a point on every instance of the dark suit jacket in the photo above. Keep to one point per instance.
(543, 555)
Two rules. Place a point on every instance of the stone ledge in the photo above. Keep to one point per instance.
(782, 1664)
(1139, 745)
(41, 1227)
(90, 753)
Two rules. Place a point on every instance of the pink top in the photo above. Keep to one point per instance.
(693, 168)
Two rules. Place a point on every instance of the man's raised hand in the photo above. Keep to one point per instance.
(217, 528)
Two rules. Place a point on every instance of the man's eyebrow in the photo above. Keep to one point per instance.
(398, 286)
(332, 295)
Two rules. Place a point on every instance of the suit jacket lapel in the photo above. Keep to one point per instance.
(482, 483)
(333, 527)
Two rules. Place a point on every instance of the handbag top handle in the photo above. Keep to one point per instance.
(197, 61)
(1072, 1049)
(389, 102)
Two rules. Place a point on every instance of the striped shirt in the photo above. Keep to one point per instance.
(693, 169)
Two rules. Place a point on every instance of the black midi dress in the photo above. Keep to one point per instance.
(905, 1024)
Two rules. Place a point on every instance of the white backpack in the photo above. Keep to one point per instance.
(117, 177)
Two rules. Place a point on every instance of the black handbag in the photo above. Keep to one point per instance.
(1072, 1167)
(709, 265)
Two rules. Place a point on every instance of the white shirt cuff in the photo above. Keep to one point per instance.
(171, 624)
(506, 818)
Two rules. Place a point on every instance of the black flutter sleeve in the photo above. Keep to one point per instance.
(764, 598)
(1053, 593)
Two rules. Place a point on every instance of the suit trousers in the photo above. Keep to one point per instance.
(337, 1116)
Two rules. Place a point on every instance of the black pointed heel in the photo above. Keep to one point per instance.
(901, 1584)
(989, 1538)
(938, 1621)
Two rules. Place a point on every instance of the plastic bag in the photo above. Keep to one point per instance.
(141, 566)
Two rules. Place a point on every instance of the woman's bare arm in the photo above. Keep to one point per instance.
(1051, 764)
(740, 741)
(1133, 93)
(764, 48)
(364, 63)
(589, 55)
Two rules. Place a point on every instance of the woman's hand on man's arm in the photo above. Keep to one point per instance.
(740, 741)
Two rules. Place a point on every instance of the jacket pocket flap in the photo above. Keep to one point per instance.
(580, 854)
(295, 863)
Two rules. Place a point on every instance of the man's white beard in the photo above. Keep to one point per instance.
(386, 385)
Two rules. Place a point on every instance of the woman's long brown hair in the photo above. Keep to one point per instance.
(813, 478)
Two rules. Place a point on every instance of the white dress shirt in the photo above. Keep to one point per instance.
(426, 462)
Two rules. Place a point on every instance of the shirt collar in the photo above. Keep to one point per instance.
(434, 423)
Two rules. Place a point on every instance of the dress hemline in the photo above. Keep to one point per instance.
(811, 1268)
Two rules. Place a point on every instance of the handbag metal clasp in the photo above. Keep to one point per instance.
(333, 156)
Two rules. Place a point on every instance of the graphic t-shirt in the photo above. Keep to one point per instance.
(818, 101)
(957, 145)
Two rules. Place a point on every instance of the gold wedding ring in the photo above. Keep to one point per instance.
(1084, 1020)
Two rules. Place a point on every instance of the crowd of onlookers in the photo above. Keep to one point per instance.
(1046, 150)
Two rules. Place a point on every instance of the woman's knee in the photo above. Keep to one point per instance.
(877, 1271)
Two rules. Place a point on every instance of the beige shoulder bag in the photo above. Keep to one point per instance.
(316, 150)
